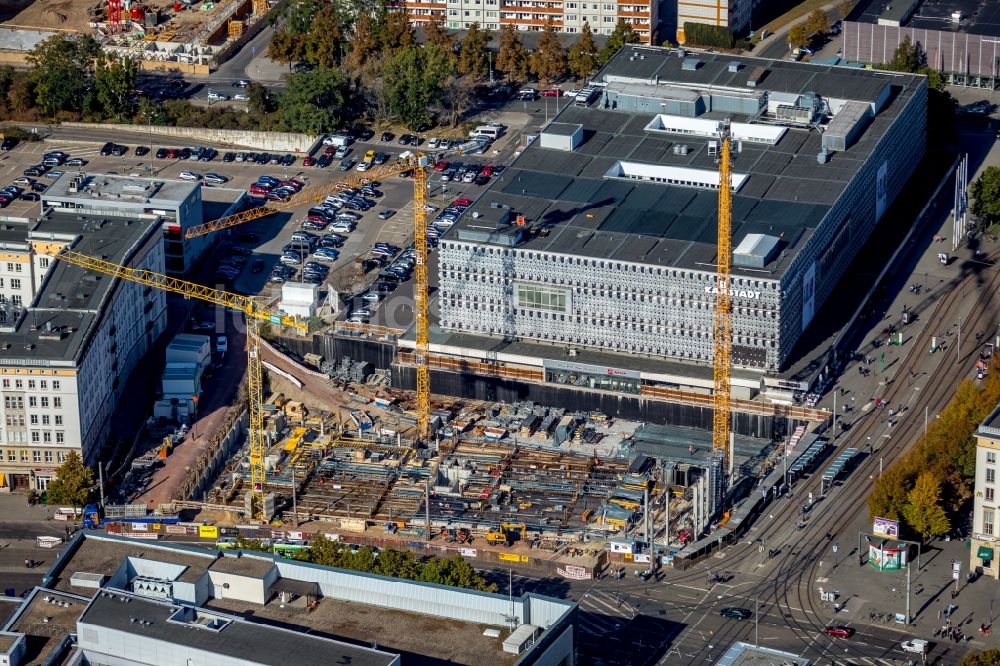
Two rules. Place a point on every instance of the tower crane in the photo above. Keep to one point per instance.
(722, 322)
(253, 311)
(418, 164)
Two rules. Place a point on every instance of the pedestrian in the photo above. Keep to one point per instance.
(27, 564)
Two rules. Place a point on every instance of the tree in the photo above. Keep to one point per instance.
(548, 60)
(989, 657)
(260, 102)
(473, 58)
(456, 572)
(817, 22)
(398, 564)
(397, 33)
(436, 33)
(114, 81)
(283, 47)
(364, 43)
(313, 102)
(413, 78)
(986, 195)
(923, 511)
(623, 34)
(74, 483)
(583, 55)
(325, 39)
(798, 35)
(844, 8)
(257, 545)
(512, 57)
(21, 95)
(906, 58)
(62, 70)
(457, 97)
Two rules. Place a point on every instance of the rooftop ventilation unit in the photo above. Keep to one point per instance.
(756, 76)
(690, 64)
(734, 67)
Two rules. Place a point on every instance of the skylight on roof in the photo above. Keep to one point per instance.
(702, 179)
(662, 122)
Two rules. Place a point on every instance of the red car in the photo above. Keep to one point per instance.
(171, 153)
(838, 632)
(259, 189)
(441, 166)
(461, 201)
(487, 170)
(552, 92)
(308, 161)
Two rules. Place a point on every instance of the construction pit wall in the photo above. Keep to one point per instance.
(351, 476)
(160, 48)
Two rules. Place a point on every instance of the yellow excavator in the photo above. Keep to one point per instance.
(507, 533)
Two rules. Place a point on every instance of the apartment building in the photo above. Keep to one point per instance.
(531, 15)
(732, 14)
(983, 553)
(178, 203)
(66, 354)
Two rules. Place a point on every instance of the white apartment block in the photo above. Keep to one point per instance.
(733, 14)
(178, 203)
(983, 552)
(531, 15)
(65, 357)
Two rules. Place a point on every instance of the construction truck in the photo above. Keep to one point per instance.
(507, 533)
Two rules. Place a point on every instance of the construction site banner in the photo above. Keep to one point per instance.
(574, 572)
(467, 552)
(208, 532)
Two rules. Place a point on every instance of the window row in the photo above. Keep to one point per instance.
(22, 455)
(19, 384)
(36, 437)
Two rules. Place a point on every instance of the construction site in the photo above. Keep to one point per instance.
(181, 36)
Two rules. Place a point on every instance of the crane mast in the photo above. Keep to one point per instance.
(419, 164)
(254, 312)
(422, 337)
(722, 328)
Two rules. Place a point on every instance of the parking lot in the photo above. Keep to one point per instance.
(267, 236)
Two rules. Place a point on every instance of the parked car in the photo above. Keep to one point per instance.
(161, 153)
(386, 214)
(552, 92)
(141, 150)
(387, 136)
(346, 164)
(215, 179)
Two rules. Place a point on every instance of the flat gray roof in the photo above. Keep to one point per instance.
(978, 18)
(99, 187)
(787, 193)
(561, 129)
(250, 642)
(60, 321)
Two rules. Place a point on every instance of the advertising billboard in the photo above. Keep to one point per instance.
(886, 528)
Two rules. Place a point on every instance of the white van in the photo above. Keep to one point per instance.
(486, 131)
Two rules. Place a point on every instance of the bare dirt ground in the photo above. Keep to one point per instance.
(74, 15)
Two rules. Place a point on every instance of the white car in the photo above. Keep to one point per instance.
(916, 646)
(571, 93)
(23, 180)
(222, 344)
(342, 227)
(363, 166)
(189, 175)
(241, 97)
(434, 142)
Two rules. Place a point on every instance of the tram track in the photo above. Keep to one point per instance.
(788, 588)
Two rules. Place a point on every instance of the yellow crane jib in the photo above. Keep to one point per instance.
(255, 313)
(245, 304)
(317, 193)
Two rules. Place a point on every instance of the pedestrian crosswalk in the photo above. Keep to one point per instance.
(603, 613)
(865, 661)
